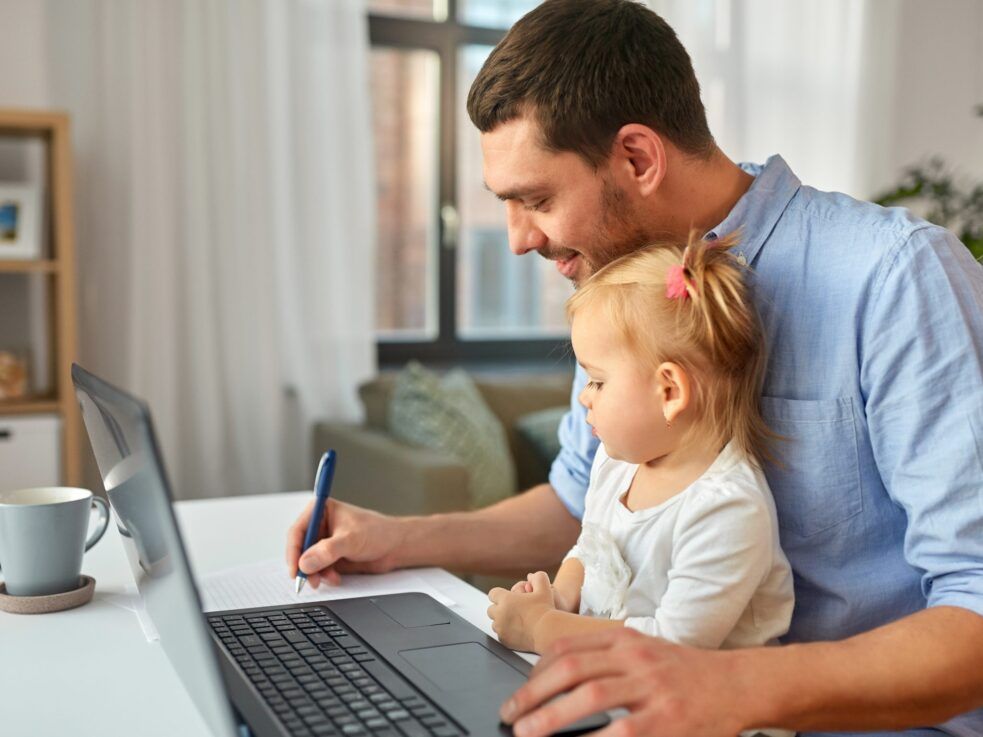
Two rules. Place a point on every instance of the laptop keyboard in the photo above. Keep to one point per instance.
(321, 680)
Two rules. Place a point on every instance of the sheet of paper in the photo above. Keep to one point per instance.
(267, 584)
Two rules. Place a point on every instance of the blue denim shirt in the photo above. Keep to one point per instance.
(874, 325)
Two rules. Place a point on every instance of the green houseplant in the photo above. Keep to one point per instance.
(933, 186)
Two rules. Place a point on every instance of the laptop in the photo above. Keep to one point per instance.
(400, 665)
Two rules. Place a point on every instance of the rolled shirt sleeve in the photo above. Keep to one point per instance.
(922, 379)
(570, 472)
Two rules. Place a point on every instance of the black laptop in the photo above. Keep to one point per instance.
(399, 665)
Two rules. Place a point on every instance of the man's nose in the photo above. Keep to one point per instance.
(524, 236)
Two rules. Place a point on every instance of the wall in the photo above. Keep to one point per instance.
(939, 78)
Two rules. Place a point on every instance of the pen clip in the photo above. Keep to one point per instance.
(320, 470)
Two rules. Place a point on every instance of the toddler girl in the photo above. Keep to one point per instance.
(679, 536)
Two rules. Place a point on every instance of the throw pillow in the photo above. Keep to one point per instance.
(449, 414)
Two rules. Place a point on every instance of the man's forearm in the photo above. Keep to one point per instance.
(920, 670)
(527, 532)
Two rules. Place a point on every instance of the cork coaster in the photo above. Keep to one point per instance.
(51, 602)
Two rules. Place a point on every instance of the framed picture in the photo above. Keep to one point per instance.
(20, 221)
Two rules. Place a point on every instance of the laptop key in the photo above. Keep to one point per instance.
(388, 679)
(412, 728)
(353, 729)
(445, 732)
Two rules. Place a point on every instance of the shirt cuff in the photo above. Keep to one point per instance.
(971, 600)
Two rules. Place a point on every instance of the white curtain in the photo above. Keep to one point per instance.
(810, 80)
(225, 217)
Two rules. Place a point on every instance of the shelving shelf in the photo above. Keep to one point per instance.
(53, 130)
(45, 266)
(28, 406)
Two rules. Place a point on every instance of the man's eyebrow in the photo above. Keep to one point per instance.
(517, 193)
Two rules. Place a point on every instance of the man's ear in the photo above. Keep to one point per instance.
(639, 156)
(674, 389)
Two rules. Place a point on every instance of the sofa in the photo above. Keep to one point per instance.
(380, 472)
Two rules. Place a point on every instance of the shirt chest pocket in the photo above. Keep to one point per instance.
(817, 485)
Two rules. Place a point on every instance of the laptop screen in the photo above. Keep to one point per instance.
(122, 439)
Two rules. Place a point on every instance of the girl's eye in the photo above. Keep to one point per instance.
(595, 385)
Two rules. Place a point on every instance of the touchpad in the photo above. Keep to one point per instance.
(413, 610)
(461, 667)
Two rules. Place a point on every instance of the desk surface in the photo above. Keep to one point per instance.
(91, 671)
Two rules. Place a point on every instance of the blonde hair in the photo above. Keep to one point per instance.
(713, 332)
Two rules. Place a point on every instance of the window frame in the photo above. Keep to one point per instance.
(446, 38)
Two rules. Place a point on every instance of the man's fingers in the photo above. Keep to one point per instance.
(323, 553)
(496, 594)
(590, 642)
(634, 723)
(588, 698)
(519, 587)
(567, 673)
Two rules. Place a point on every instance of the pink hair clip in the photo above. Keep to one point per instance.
(676, 283)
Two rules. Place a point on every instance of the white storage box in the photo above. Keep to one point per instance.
(30, 451)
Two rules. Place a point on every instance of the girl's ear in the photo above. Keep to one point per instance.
(674, 389)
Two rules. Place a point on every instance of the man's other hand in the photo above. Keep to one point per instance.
(668, 689)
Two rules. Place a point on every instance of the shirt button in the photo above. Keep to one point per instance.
(741, 259)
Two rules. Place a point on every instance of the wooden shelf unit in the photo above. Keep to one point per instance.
(52, 128)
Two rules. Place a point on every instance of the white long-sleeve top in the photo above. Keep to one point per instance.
(704, 568)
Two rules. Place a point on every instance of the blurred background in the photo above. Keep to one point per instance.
(274, 207)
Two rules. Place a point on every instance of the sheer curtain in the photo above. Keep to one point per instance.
(225, 217)
(811, 81)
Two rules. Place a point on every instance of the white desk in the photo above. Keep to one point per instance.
(91, 671)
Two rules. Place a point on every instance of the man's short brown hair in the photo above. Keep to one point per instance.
(585, 68)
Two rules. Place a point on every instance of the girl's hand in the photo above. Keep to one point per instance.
(515, 614)
(561, 602)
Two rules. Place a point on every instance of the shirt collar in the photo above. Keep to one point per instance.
(756, 213)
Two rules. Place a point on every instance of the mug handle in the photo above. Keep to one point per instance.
(103, 519)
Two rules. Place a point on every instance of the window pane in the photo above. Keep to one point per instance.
(499, 295)
(405, 119)
(493, 13)
(424, 9)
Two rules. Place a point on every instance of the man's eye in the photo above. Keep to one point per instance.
(537, 206)
(595, 385)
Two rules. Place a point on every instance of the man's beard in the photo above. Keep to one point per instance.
(616, 234)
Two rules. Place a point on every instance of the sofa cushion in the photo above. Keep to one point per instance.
(449, 414)
(539, 430)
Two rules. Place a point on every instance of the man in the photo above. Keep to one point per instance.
(594, 136)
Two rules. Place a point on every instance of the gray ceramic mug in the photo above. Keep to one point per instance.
(42, 538)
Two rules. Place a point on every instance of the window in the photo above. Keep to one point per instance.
(449, 290)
